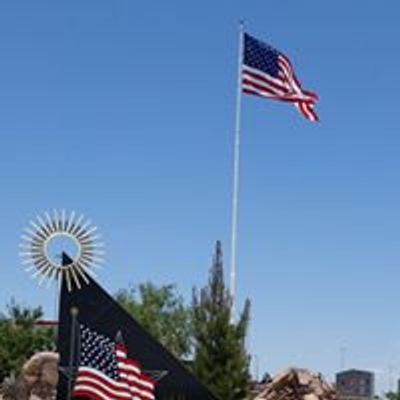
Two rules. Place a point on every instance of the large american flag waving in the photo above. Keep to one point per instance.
(266, 72)
(105, 372)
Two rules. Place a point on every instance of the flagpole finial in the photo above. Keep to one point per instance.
(119, 338)
(74, 311)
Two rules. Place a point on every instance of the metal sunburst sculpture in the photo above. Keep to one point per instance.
(41, 235)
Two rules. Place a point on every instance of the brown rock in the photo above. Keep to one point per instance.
(297, 384)
(40, 375)
(41, 368)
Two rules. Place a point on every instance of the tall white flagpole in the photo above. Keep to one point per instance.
(236, 159)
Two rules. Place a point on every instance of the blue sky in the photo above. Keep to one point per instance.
(125, 111)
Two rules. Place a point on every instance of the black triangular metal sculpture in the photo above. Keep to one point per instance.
(94, 307)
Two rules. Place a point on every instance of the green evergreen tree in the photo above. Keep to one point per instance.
(20, 338)
(220, 357)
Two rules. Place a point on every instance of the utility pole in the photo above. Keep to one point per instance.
(343, 351)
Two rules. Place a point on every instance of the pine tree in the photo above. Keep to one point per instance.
(220, 358)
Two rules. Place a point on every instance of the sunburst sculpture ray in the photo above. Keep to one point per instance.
(59, 224)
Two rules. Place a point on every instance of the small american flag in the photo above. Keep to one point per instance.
(106, 373)
(266, 72)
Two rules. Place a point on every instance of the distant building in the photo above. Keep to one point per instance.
(355, 385)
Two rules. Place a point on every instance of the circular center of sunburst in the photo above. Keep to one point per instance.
(59, 243)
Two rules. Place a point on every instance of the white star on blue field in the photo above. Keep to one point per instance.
(124, 111)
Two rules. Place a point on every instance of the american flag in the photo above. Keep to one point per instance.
(106, 373)
(266, 72)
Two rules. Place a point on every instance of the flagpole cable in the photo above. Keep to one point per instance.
(236, 161)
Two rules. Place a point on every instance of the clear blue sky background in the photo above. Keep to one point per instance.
(124, 110)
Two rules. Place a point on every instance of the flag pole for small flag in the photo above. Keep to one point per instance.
(236, 162)
(71, 365)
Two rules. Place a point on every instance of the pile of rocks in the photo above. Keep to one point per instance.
(296, 384)
(38, 379)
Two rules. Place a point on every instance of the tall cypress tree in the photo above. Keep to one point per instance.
(220, 357)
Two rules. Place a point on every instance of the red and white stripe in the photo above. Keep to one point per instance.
(286, 87)
(95, 385)
(133, 383)
(141, 386)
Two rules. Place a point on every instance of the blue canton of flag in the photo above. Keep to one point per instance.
(98, 352)
(266, 72)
